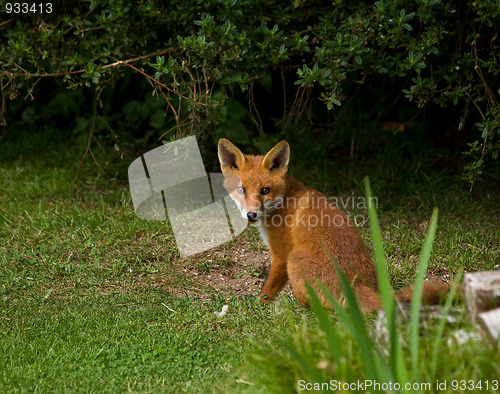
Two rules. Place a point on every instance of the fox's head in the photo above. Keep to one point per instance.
(256, 183)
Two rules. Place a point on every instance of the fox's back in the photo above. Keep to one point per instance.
(309, 221)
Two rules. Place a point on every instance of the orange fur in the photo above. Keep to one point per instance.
(304, 233)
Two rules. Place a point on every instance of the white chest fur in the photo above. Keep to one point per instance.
(263, 232)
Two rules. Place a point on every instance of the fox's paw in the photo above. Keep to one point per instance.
(264, 298)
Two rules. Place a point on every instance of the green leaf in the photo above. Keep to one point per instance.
(439, 333)
(385, 288)
(327, 325)
(418, 290)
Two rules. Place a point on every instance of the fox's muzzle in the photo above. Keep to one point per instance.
(252, 216)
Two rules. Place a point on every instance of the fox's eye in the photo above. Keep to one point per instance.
(240, 190)
(265, 190)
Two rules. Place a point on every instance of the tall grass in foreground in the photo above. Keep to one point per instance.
(378, 367)
(342, 353)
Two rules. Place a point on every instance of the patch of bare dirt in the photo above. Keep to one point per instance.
(239, 269)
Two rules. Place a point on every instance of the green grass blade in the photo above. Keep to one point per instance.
(373, 365)
(289, 315)
(344, 316)
(442, 322)
(418, 290)
(397, 360)
(327, 325)
(385, 289)
(367, 349)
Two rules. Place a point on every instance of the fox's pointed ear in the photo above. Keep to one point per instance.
(230, 156)
(278, 157)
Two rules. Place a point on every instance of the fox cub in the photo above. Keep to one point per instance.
(302, 230)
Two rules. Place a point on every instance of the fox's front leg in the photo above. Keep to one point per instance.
(275, 281)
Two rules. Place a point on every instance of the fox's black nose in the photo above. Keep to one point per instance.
(252, 216)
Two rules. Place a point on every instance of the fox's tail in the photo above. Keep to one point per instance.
(434, 293)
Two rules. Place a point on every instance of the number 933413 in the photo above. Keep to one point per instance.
(28, 8)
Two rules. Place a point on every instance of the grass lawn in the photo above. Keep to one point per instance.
(94, 299)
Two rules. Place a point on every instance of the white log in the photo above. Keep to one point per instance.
(489, 325)
(481, 292)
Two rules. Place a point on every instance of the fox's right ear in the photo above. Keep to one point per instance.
(230, 157)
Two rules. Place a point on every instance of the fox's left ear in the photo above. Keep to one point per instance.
(278, 157)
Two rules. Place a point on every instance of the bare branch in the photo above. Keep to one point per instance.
(76, 72)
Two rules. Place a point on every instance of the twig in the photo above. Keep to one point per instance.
(483, 151)
(138, 58)
(95, 160)
(475, 104)
(283, 85)
(6, 22)
(166, 306)
(3, 121)
(253, 108)
(299, 104)
(30, 91)
(158, 83)
(177, 126)
(477, 68)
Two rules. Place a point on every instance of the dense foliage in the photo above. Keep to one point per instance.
(248, 67)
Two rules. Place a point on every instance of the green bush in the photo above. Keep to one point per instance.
(400, 58)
